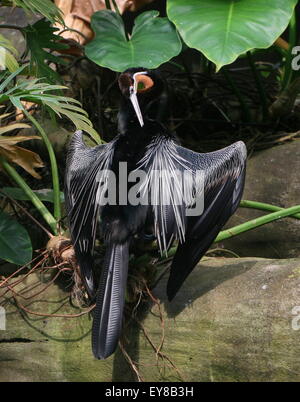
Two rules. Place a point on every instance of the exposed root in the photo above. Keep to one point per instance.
(162, 322)
(131, 363)
(57, 260)
(160, 354)
(143, 293)
(27, 310)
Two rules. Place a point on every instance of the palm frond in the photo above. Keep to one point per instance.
(40, 37)
(43, 7)
(7, 55)
(36, 91)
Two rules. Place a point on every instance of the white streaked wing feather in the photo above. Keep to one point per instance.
(172, 193)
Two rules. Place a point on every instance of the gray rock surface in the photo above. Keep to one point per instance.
(231, 321)
(16, 16)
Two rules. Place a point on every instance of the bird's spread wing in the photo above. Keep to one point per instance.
(194, 195)
(84, 186)
(224, 173)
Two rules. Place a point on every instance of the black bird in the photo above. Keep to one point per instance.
(145, 145)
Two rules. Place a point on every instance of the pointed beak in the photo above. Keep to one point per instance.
(136, 106)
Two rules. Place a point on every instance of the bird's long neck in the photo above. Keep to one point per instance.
(129, 126)
(127, 120)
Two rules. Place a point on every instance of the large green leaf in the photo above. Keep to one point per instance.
(224, 29)
(154, 41)
(15, 244)
(40, 36)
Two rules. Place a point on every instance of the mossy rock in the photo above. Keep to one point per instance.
(231, 321)
(37, 348)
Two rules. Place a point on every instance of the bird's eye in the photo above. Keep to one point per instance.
(140, 86)
(144, 83)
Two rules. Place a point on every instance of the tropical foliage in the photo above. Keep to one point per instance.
(24, 87)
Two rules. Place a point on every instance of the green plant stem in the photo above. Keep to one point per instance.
(118, 12)
(288, 71)
(116, 7)
(54, 169)
(263, 206)
(254, 223)
(109, 7)
(46, 214)
(260, 88)
(107, 4)
(11, 26)
(238, 94)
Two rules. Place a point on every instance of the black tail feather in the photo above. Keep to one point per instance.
(108, 314)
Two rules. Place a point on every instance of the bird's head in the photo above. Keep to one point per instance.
(140, 86)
